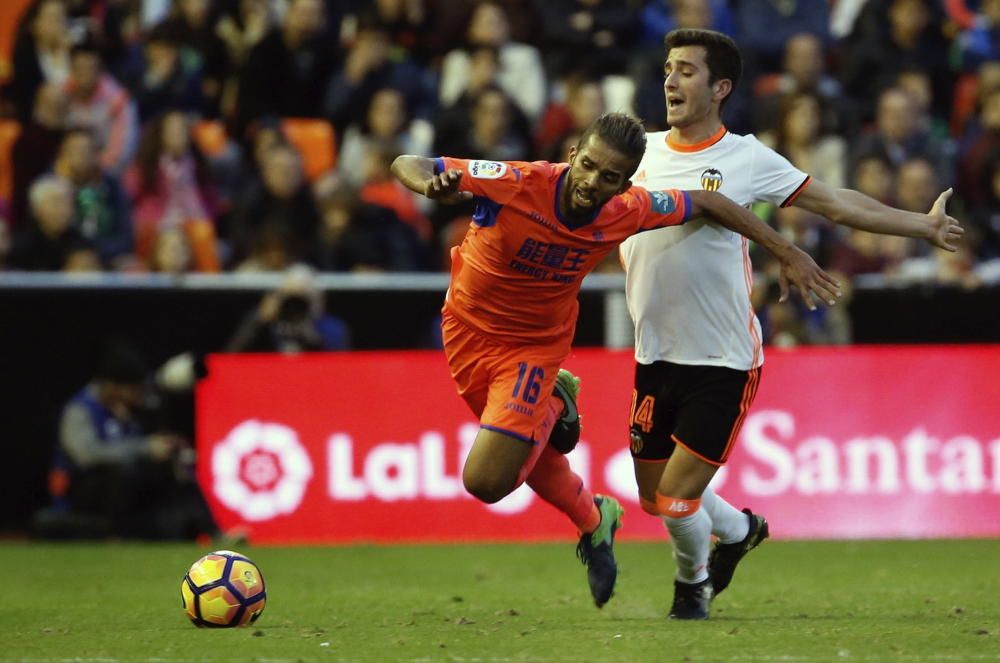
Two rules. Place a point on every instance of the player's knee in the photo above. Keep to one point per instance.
(487, 488)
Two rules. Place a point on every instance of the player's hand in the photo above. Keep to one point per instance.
(945, 230)
(444, 187)
(802, 271)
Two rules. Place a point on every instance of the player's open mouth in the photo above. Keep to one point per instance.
(582, 198)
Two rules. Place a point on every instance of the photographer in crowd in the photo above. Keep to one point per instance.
(290, 320)
(117, 471)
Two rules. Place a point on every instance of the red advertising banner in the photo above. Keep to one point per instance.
(879, 442)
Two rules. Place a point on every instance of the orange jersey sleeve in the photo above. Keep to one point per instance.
(499, 181)
(660, 208)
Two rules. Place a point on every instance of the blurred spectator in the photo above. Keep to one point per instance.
(890, 36)
(985, 214)
(41, 53)
(379, 187)
(272, 248)
(491, 134)
(766, 26)
(405, 21)
(49, 242)
(203, 54)
(646, 66)
(803, 72)
(979, 41)
(162, 81)
(170, 188)
(807, 231)
(101, 206)
(519, 73)
(875, 177)
(592, 34)
(973, 157)
(243, 29)
(368, 67)
(114, 474)
(861, 252)
(790, 323)
(800, 138)
(286, 72)
(902, 132)
(387, 120)
(940, 267)
(659, 17)
(360, 237)
(100, 104)
(455, 120)
(291, 319)
(171, 253)
(584, 103)
(917, 185)
(36, 146)
(282, 197)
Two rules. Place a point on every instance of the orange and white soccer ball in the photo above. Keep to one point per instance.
(223, 589)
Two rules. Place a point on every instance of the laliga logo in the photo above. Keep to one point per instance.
(260, 470)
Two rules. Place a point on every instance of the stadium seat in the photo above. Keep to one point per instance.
(210, 137)
(10, 16)
(9, 131)
(315, 140)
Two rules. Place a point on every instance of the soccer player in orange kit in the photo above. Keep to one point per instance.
(510, 311)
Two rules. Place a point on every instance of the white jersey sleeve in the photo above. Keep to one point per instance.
(773, 178)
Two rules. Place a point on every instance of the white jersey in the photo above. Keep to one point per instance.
(688, 288)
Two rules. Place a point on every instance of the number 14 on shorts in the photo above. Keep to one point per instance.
(533, 385)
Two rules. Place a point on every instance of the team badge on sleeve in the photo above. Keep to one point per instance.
(661, 203)
(487, 170)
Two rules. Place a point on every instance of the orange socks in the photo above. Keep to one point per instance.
(561, 487)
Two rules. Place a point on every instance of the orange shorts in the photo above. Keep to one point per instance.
(507, 386)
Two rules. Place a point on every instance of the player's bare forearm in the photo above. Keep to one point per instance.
(797, 267)
(413, 171)
(856, 210)
(738, 219)
(417, 174)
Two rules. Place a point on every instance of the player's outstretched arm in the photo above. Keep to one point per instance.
(417, 174)
(856, 210)
(797, 266)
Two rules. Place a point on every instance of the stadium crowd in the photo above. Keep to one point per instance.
(177, 136)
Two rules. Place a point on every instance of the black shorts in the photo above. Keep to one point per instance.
(699, 407)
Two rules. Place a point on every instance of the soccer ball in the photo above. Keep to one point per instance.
(223, 589)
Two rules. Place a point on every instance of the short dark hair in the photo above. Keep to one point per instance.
(721, 53)
(622, 132)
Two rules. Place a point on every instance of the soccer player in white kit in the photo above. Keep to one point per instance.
(697, 340)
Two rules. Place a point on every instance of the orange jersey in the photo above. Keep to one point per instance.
(517, 274)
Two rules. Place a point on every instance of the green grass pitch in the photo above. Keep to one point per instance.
(790, 601)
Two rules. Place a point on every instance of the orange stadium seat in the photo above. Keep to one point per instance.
(315, 140)
(9, 131)
(210, 137)
(10, 15)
